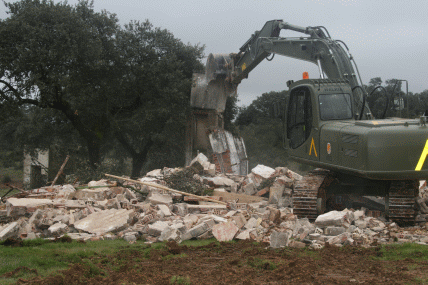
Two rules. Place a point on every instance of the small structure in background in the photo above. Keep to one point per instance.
(36, 169)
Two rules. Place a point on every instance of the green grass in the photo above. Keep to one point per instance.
(179, 280)
(201, 242)
(261, 263)
(402, 251)
(47, 257)
(172, 256)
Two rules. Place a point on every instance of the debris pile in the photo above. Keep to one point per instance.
(257, 206)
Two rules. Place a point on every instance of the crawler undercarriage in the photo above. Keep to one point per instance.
(316, 193)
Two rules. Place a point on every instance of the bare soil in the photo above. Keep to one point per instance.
(242, 262)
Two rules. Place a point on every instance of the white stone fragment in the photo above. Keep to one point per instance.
(333, 218)
(263, 171)
(105, 221)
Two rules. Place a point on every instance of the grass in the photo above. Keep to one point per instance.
(263, 264)
(47, 257)
(412, 251)
(179, 280)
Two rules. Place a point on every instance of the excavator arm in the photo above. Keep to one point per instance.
(225, 72)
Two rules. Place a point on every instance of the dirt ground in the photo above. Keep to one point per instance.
(242, 262)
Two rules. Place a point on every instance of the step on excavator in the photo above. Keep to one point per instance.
(328, 123)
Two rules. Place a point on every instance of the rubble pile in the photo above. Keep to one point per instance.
(257, 206)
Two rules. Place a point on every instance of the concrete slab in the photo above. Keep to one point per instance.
(105, 221)
(165, 210)
(225, 231)
(278, 239)
(157, 198)
(18, 207)
(10, 230)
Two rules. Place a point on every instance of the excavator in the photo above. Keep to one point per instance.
(328, 123)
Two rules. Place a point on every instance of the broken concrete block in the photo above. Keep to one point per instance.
(225, 231)
(18, 207)
(105, 221)
(302, 225)
(181, 209)
(170, 234)
(200, 163)
(251, 224)
(9, 231)
(165, 210)
(196, 231)
(220, 181)
(276, 192)
(65, 219)
(190, 220)
(57, 229)
(274, 215)
(130, 236)
(359, 214)
(211, 170)
(286, 181)
(239, 220)
(285, 202)
(339, 239)
(93, 194)
(263, 171)
(157, 173)
(293, 175)
(244, 234)
(334, 231)
(157, 198)
(296, 244)
(278, 239)
(66, 192)
(31, 235)
(333, 218)
(362, 224)
(249, 189)
(157, 228)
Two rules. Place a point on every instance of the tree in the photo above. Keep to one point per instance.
(263, 132)
(128, 85)
(151, 97)
(55, 56)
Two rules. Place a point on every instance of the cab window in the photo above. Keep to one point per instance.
(299, 116)
(335, 106)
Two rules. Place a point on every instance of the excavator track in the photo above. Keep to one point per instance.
(401, 208)
(307, 191)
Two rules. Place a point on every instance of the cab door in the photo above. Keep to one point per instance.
(302, 136)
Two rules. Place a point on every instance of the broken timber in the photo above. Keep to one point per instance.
(166, 189)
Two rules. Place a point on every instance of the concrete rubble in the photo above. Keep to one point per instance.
(259, 208)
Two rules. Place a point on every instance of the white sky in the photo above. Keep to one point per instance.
(388, 38)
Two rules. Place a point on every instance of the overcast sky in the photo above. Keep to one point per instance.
(388, 38)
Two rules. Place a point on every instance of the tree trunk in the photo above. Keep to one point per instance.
(94, 153)
(137, 164)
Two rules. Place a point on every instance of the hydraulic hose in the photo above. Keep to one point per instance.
(364, 100)
(387, 98)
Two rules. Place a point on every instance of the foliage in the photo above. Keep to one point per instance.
(183, 181)
(76, 78)
(262, 131)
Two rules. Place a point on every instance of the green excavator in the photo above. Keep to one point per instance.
(328, 123)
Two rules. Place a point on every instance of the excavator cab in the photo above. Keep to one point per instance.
(311, 104)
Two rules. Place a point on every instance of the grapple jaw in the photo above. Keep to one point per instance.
(210, 90)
